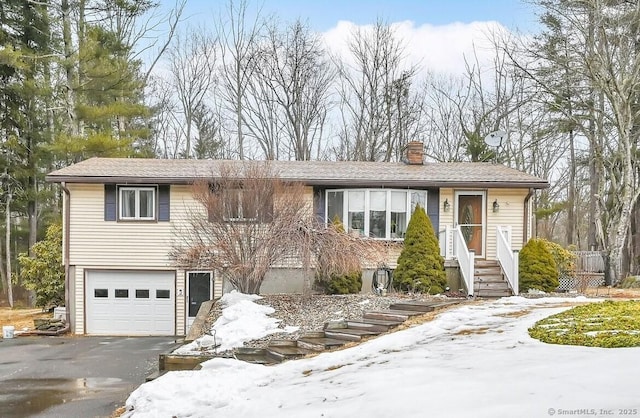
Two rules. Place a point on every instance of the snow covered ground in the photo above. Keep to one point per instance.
(476, 360)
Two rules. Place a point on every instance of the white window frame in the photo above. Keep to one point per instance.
(240, 210)
(137, 190)
(345, 209)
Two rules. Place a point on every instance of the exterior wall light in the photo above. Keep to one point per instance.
(446, 206)
(496, 206)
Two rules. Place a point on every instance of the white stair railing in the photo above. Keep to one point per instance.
(507, 258)
(443, 240)
(466, 259)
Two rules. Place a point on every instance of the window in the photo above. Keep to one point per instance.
(163, 294)
(101, 293)
(142, 293)
(240, 205)
(122, 293)
(376, 213)
(137, 203)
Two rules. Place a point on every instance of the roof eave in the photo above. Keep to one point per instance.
(312, 182)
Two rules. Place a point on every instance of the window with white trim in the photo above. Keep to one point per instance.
(376, 213)
(239, 205)
(137, 203)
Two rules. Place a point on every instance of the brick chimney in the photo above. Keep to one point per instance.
(415, 152)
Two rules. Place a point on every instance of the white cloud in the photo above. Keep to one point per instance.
(439, 49)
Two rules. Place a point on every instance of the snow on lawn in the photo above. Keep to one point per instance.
(476, 360)
(241, 320)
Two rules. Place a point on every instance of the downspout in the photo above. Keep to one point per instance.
(65, 251)
(526, 216)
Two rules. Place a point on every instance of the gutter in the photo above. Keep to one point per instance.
(526, 216)
(65, 252)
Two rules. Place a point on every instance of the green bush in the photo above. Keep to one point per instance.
(341, 284)
(420, 265)
(44, 273)
(565, 259)
(538, 269)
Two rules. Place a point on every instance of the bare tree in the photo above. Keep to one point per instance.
(599, 49)
(238, 39)
(376, 103)
(295, 69)
(253, 219)
(192, 63)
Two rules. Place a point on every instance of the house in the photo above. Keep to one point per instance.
(120, 217)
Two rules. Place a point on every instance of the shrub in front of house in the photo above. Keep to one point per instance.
(341, 284)
(538, 269)
(420, 265)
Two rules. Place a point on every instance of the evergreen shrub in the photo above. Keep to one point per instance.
(420, 265)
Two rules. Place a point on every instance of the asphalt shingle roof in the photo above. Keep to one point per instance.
(329, 173)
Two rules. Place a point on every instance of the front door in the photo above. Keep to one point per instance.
(199, 291)
(470, 220)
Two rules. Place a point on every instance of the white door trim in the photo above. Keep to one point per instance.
(482, 193)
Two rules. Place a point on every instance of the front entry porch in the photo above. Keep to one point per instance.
(481, 276)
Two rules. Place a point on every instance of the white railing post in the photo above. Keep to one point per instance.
(466, 259)
(516, 272)
(507, 258)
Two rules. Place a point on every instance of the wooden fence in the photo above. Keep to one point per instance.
(589, 272)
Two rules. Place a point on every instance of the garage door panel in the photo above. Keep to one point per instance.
(130, 303)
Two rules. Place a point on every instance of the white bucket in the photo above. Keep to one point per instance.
(7, 331)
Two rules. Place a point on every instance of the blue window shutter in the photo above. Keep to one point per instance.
(433, 208)
(164, 204)
(110, 202)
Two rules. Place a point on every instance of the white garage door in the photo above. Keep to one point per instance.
(130, 303)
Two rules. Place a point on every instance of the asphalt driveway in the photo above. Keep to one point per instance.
(74, 376)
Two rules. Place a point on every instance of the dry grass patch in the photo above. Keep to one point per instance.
(516, 314)
(470, 331)
(21, 318)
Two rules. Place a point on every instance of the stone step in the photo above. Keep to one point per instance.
(492, 293)
(380, 328)
(491, 285)
(281, 353)
(349, 334)
(254, 355)
(319, 343)
(391, 315)
(486, 271)
(493, 278)
(486, 263)
(418, 306)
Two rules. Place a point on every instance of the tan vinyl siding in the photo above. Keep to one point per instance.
(94, 241)
(511, 214)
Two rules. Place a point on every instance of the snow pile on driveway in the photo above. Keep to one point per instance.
(475, 360)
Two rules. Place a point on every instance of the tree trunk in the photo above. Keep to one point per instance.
(8, 247)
